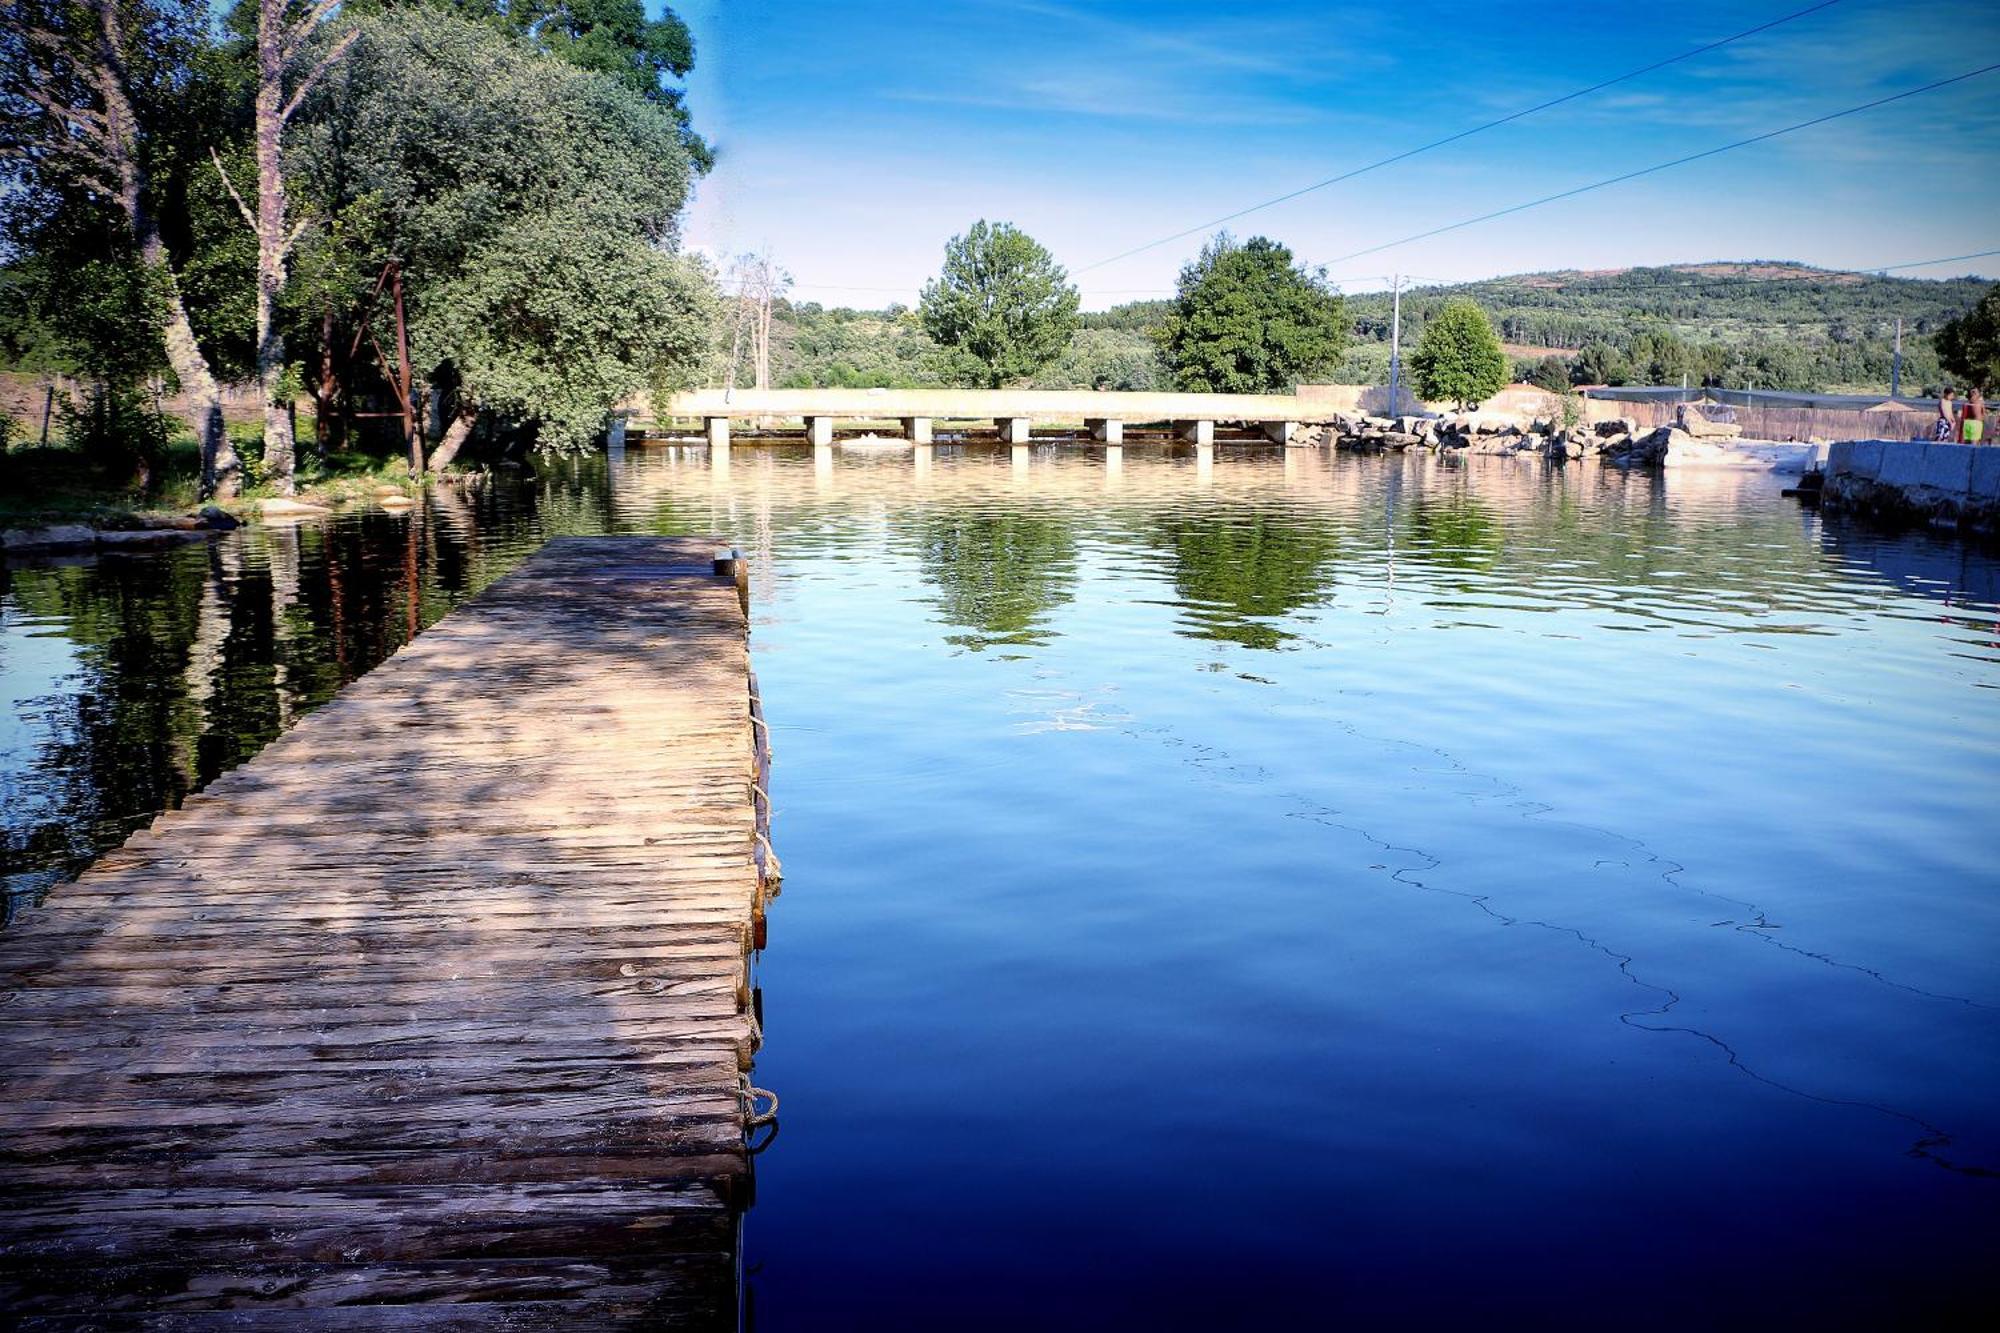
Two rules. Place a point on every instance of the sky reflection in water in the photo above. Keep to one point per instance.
(1287, 887)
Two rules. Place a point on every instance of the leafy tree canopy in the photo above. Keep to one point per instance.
(1002, 302)
(558, 319)
(1459, 357)
(1247, 319)
(1969, 346)
(532, 206)
(615, 38)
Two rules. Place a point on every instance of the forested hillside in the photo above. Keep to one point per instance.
(1761, 325)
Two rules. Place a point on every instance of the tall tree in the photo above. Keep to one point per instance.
(1247, 319)
(1969, 346)
(82, 87)
(1002, 302)
(531, 209)
(1459, 357)
(283, 39)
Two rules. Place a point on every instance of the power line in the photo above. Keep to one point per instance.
(1677, 162)
(1465, 134)
(1928, 263)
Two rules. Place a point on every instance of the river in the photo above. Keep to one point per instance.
(1281, 887)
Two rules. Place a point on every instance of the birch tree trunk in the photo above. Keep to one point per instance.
(119, 144)
(273, 240)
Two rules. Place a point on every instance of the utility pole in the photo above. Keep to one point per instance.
(1896, 365)
(1395, 344)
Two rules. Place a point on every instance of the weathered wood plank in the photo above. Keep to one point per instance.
(430, 1016)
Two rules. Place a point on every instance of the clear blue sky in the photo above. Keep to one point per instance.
(855, 139)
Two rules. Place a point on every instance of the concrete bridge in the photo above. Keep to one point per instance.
(1012, 412)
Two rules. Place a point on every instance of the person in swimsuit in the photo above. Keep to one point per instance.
(1945, 429)
(1972, 417)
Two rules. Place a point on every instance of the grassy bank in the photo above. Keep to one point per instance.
(41, 484)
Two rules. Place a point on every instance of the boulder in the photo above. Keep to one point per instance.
(1689, 419)
(56, 537)
(281, 507)
(1615, 426)
(219, 518)
(167, 522)
(1647, 450)
(148, 536)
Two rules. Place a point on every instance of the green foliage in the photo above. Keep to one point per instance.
(1969, 346)
(532, 206)
(1601, 363)
(1765, 325)
(816, 348)
(558, 319)
(612, 38)
(1249, 320)
(1458, 357)
(1105, 358)
(1141, 317)
(1002, 301)
(119, 428)
(1551, 373)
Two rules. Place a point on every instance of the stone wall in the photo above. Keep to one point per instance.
(1946, 484)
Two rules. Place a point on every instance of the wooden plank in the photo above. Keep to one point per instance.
(430, 1016)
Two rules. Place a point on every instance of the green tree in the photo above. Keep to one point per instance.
(1601, 363)
(1459, 357)
(556, 321)
(1247, 319)
(93, 106)
(1106, 358)
(1969, 346)
(1551, 373)
(1002, 302)
(532, 207)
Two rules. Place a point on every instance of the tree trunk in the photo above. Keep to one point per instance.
(221, 471)
(220, 474)
(280, 451)
(454, 439)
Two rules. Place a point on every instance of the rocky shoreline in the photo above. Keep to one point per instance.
(1619, 442)
(123, 530)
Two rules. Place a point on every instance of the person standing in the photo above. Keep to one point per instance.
(1972, 417)
(1945, 429)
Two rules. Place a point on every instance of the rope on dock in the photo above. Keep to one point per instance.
(752, 1117)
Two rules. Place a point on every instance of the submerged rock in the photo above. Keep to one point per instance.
(54, 537)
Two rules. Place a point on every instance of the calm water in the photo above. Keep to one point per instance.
(1287, 888)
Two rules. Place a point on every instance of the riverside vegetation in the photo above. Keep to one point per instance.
(422, 228)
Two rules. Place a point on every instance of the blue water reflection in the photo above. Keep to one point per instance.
(1299, 889)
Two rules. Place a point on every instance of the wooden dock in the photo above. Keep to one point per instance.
(434, 1015)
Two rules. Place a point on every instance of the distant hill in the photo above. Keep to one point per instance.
(1770, 323)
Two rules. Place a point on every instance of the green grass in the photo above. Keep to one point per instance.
(57, 484)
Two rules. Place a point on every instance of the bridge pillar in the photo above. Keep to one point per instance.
(917, 429)
(718, 432)
(820, 431)
(1196, 432)
(1280, 432)
(1106, 430)
(1204, 463)
(1014, 430)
